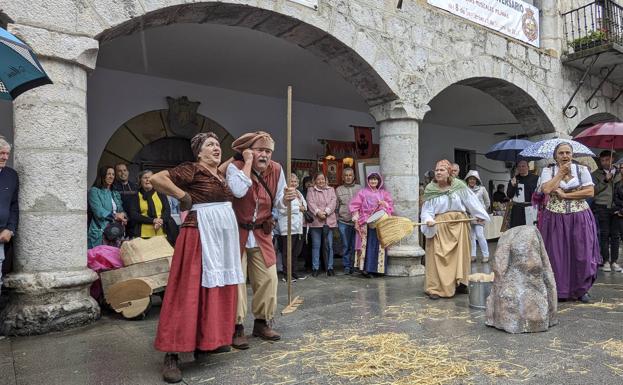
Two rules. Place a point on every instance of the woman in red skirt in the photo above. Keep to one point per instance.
(199, 307)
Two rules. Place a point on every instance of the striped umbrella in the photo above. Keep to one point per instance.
(19, 68)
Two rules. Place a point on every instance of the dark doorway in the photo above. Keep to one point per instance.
(162, 154)
(465, 159)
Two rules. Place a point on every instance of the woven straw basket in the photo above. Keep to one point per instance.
(393, 229)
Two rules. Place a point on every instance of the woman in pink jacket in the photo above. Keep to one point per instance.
(369, 255)
(321, 202)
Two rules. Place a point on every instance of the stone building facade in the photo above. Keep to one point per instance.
(397, 59)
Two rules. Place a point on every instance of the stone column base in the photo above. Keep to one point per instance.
(48, 301)
(404, 261)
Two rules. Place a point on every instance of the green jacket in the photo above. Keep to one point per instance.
(604, 190)
(100, 204)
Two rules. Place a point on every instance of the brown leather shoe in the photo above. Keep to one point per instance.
(240, 341)
(262, 330)
(204, 354)
(171, 371)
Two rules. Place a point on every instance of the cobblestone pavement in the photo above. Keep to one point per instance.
(338, 313)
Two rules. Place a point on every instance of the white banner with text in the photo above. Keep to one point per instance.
(514, 18)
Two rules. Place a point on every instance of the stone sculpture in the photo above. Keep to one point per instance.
(523, 297)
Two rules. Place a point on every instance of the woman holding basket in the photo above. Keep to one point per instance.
(448, 244)
(370, 203)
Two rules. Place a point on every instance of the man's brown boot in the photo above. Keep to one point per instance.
(240, 341)
(171, 371)
(262, 330)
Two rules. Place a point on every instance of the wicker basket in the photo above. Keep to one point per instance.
(393, 229)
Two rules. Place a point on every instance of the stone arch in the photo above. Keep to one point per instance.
(150, 127)
(514, 89)
(311, 35)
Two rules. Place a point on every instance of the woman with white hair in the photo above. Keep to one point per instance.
(478, 229)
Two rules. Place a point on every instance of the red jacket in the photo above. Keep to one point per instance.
(245, 206)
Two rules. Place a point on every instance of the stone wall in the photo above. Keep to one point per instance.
(414, 53)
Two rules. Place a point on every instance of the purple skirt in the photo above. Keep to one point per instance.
(573, 248)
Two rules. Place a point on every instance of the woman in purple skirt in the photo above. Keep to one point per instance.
(568, 226)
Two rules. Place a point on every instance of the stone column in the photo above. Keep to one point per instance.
(399, 124)
(49, 286)
(551, 29)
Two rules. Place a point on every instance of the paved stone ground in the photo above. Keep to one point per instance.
(117, 351)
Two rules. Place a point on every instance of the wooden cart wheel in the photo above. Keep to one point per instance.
(131, 298)
(138, 309)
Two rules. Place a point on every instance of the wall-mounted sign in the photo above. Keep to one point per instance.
(308, 3)
(514, 18)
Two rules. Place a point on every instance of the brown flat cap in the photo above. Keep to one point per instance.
(248, 139)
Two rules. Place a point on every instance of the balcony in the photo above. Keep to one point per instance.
(594, 45)
(594, 28)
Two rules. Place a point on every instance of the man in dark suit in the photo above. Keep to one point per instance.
(9, 210)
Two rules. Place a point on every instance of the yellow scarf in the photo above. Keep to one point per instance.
(147, 230)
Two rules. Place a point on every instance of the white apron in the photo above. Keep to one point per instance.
(220, 245)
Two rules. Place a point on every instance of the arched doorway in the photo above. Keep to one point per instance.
(468, 117)
(238, 67)
(326, 46)
(147, 141)
(480, 111)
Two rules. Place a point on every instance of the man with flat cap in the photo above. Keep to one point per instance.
(253, 206)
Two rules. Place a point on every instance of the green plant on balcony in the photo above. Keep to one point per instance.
(592, 39)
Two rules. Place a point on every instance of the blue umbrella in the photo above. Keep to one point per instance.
(508, 150)
(19, 68)
(545, 149)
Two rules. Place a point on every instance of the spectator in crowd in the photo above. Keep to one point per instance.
(322, 201)
(299, 206)
(369, 254)
(456, 170)
(199, 306)
(122, 183)
(307, 246)
(568, 226)
(520, 189)
(105, 205)
(478, 229)
(617, 205)
(127, 190)
(499, 195)
(9, 209)
(150, 212)
(306, 184)
(346, 226)
(447, 244)
(605, 179)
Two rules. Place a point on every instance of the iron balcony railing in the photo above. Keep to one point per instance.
(595, 24)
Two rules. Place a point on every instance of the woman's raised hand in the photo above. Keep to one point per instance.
(565, 168)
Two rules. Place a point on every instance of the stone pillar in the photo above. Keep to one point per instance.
(398, 125)
(49, 286)
(551, 29)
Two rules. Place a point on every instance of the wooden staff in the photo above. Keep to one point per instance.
(288, 172)
(292, 303)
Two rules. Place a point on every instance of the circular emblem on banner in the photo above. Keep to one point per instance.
(529, 25)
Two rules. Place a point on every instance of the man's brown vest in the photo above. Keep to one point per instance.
(245, 206)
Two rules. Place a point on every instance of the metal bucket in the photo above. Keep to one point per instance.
(478, 293)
